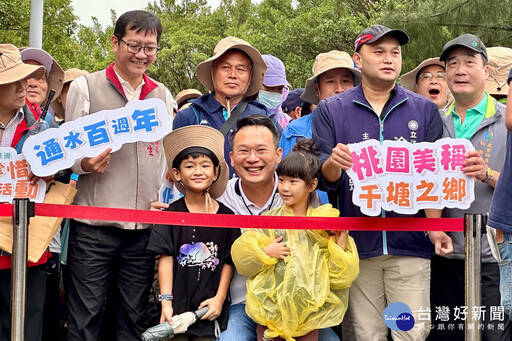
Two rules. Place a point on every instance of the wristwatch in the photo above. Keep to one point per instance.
(490, 175)
(165, 297)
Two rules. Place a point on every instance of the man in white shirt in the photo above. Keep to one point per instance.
(103, 252)
(254, 155)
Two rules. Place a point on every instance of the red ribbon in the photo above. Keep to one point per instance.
(241, 221)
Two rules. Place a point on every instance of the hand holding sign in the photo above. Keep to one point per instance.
(340, 159)
(341, 156)
(474, 166)
(97, 164)
(92, 135)
(403, 177)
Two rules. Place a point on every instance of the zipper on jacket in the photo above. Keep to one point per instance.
(381, 139)
(383, 214)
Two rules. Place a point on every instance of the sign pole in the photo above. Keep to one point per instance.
(20, 221)
(473, 224)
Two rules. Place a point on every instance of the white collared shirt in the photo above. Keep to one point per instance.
(235, 198)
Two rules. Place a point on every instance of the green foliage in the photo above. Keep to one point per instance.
(293, 30)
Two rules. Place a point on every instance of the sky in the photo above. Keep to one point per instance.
(85, 9)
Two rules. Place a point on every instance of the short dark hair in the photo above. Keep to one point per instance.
(138, 21)
(257, 121)
(194, 152)
(302, 162)
(317, 80)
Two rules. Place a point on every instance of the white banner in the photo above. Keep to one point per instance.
(404, 177)
(58, 148)
(14, 183)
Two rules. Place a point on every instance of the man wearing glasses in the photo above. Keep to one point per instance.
(429, 80)
(478, 117)
(103, 252)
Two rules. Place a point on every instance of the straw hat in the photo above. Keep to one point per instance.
(203, 69)
(54, 73)
(185, 95)
(500, 62)
(408, 80)
(325, 62)
(12, 69)
(69, 76)
(203, 137)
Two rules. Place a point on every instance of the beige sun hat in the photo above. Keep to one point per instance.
(54, 73)
(500, 62)
(12, 69)
(187, 94)
(201, 137)
(69, 76)
(259, 68)
(325, 62)
(408, 80)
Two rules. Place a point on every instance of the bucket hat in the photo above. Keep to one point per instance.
(12, 68)
(185, 95)
(203, 137)
(69, 76)
(54, 73)
(325, 62)
(276, 73)
(500, 63)
(259, 68)
(409, 79)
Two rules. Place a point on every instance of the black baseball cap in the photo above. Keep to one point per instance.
(470, 41)
(375, 32)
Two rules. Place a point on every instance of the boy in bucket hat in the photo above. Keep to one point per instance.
(195, 267)
(235, 71)
(16, 117)
(394, 266)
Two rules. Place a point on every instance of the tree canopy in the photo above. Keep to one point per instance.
(293, 30)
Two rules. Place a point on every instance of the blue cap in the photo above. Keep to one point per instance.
(293, 100)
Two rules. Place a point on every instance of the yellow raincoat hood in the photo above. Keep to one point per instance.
(306, 291)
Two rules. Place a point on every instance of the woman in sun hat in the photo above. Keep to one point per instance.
(53, 79)
(14, 114)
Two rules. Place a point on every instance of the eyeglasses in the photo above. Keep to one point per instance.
(438, 75)
(134, 48)
(243, 153)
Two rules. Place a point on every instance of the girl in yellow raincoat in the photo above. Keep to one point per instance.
(298, 279)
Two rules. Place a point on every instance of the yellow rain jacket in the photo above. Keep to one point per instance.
(306, 291)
